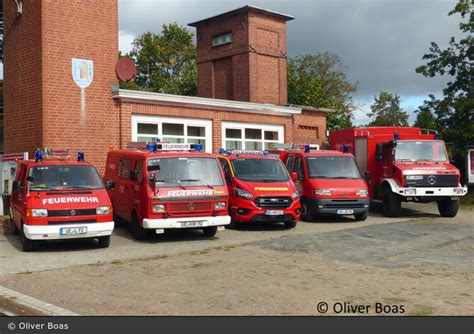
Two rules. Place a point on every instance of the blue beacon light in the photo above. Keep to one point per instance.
(39, 156)
(307, 148)
(198, 147)
(80, 156)
(345, 149)
(151, 147)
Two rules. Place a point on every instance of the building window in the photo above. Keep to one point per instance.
(240, 136)
(222, 39)
(172, 130)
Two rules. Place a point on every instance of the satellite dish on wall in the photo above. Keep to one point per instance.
(126, 69)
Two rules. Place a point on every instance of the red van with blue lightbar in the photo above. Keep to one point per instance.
(260, 188)
(56, 198)
(162, 186)
(329, 183)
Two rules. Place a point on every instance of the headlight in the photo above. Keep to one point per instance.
(326, 192)
(158, 208)
(219, 205)
(458, 191)
(414, 177)
(362, 192)
(103, 210)
(410, 191)
(37, 213)
(243, 193)
(295, 195)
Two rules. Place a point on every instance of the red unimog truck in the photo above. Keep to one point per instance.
(55, 198)
(161, 186)
(403, 164)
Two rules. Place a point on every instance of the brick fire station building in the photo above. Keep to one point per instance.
(242, 84)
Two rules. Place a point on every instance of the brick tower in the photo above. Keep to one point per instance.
(43, 104)
(242, 56)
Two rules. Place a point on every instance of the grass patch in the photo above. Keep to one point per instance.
(467, 201)
(422, 311)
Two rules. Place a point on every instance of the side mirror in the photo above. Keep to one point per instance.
(393, 143)
(367, 176)
(294, 176)
(301, 176)
(109, 184)
(16, 186)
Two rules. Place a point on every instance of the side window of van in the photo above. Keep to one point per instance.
(124, 169)
(226, 168)
(289, 163)
(139, 171)
(298, 166)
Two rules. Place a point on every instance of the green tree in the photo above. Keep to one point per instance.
(425, 118)
(455, 110)
(166, 62)
(318, 80)
(387, 112)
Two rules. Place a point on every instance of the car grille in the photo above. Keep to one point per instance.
(65, 222)
(273, 202)
(433, 181)
(181, 208)
(71, 212)
(344, 204)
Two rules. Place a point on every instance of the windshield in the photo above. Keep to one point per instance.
(191, 171)
(332, 168)
(260, 170)
(64, 177)
(428, 150)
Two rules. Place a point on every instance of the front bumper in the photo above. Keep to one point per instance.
(431, 191)
(333, 206)
(252, 213)
(52, 232)
(181, 222)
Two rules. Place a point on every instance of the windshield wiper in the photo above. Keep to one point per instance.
(197, 180)
(71, 187)
(424, 160)
(172, 182)
(271, 180)
(404, 160)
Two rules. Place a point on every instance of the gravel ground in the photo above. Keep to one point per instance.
(419, 264)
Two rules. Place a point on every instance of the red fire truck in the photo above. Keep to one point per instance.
(161, 186)
(403, 164)
(260, 188)
(54, 197)
(328, 181)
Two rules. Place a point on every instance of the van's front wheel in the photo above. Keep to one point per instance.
(306, 214)
(138, 232)
(209, 231)
(27, 245)
(104, 242)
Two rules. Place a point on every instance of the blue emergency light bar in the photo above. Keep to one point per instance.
(307, 148)
(80, 156)
(39, 156)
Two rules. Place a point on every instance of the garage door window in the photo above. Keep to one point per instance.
(238, 136)
(171, 130)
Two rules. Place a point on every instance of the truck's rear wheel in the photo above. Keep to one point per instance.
(448, 207)
(361, 216)
(27, 245)
(104, 242)
(392, 204)
(306, 214)
(138, 232)
(210, 231)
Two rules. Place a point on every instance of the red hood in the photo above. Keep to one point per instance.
(426, 168)
(340, 188)
(267, 188)
(60, 200)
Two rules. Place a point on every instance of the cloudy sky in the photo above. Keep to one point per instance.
(380, 41)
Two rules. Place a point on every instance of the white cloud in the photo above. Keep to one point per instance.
(125, 41)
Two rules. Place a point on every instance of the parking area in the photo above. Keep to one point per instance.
(420, 261)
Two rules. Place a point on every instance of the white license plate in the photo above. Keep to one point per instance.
(345, 212)
(192, 224)
(73, 230)
(274, 212)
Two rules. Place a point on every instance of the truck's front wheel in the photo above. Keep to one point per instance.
(448, 207)
(138, 232)
(306, 214)
(104, 242)
(392, 204)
